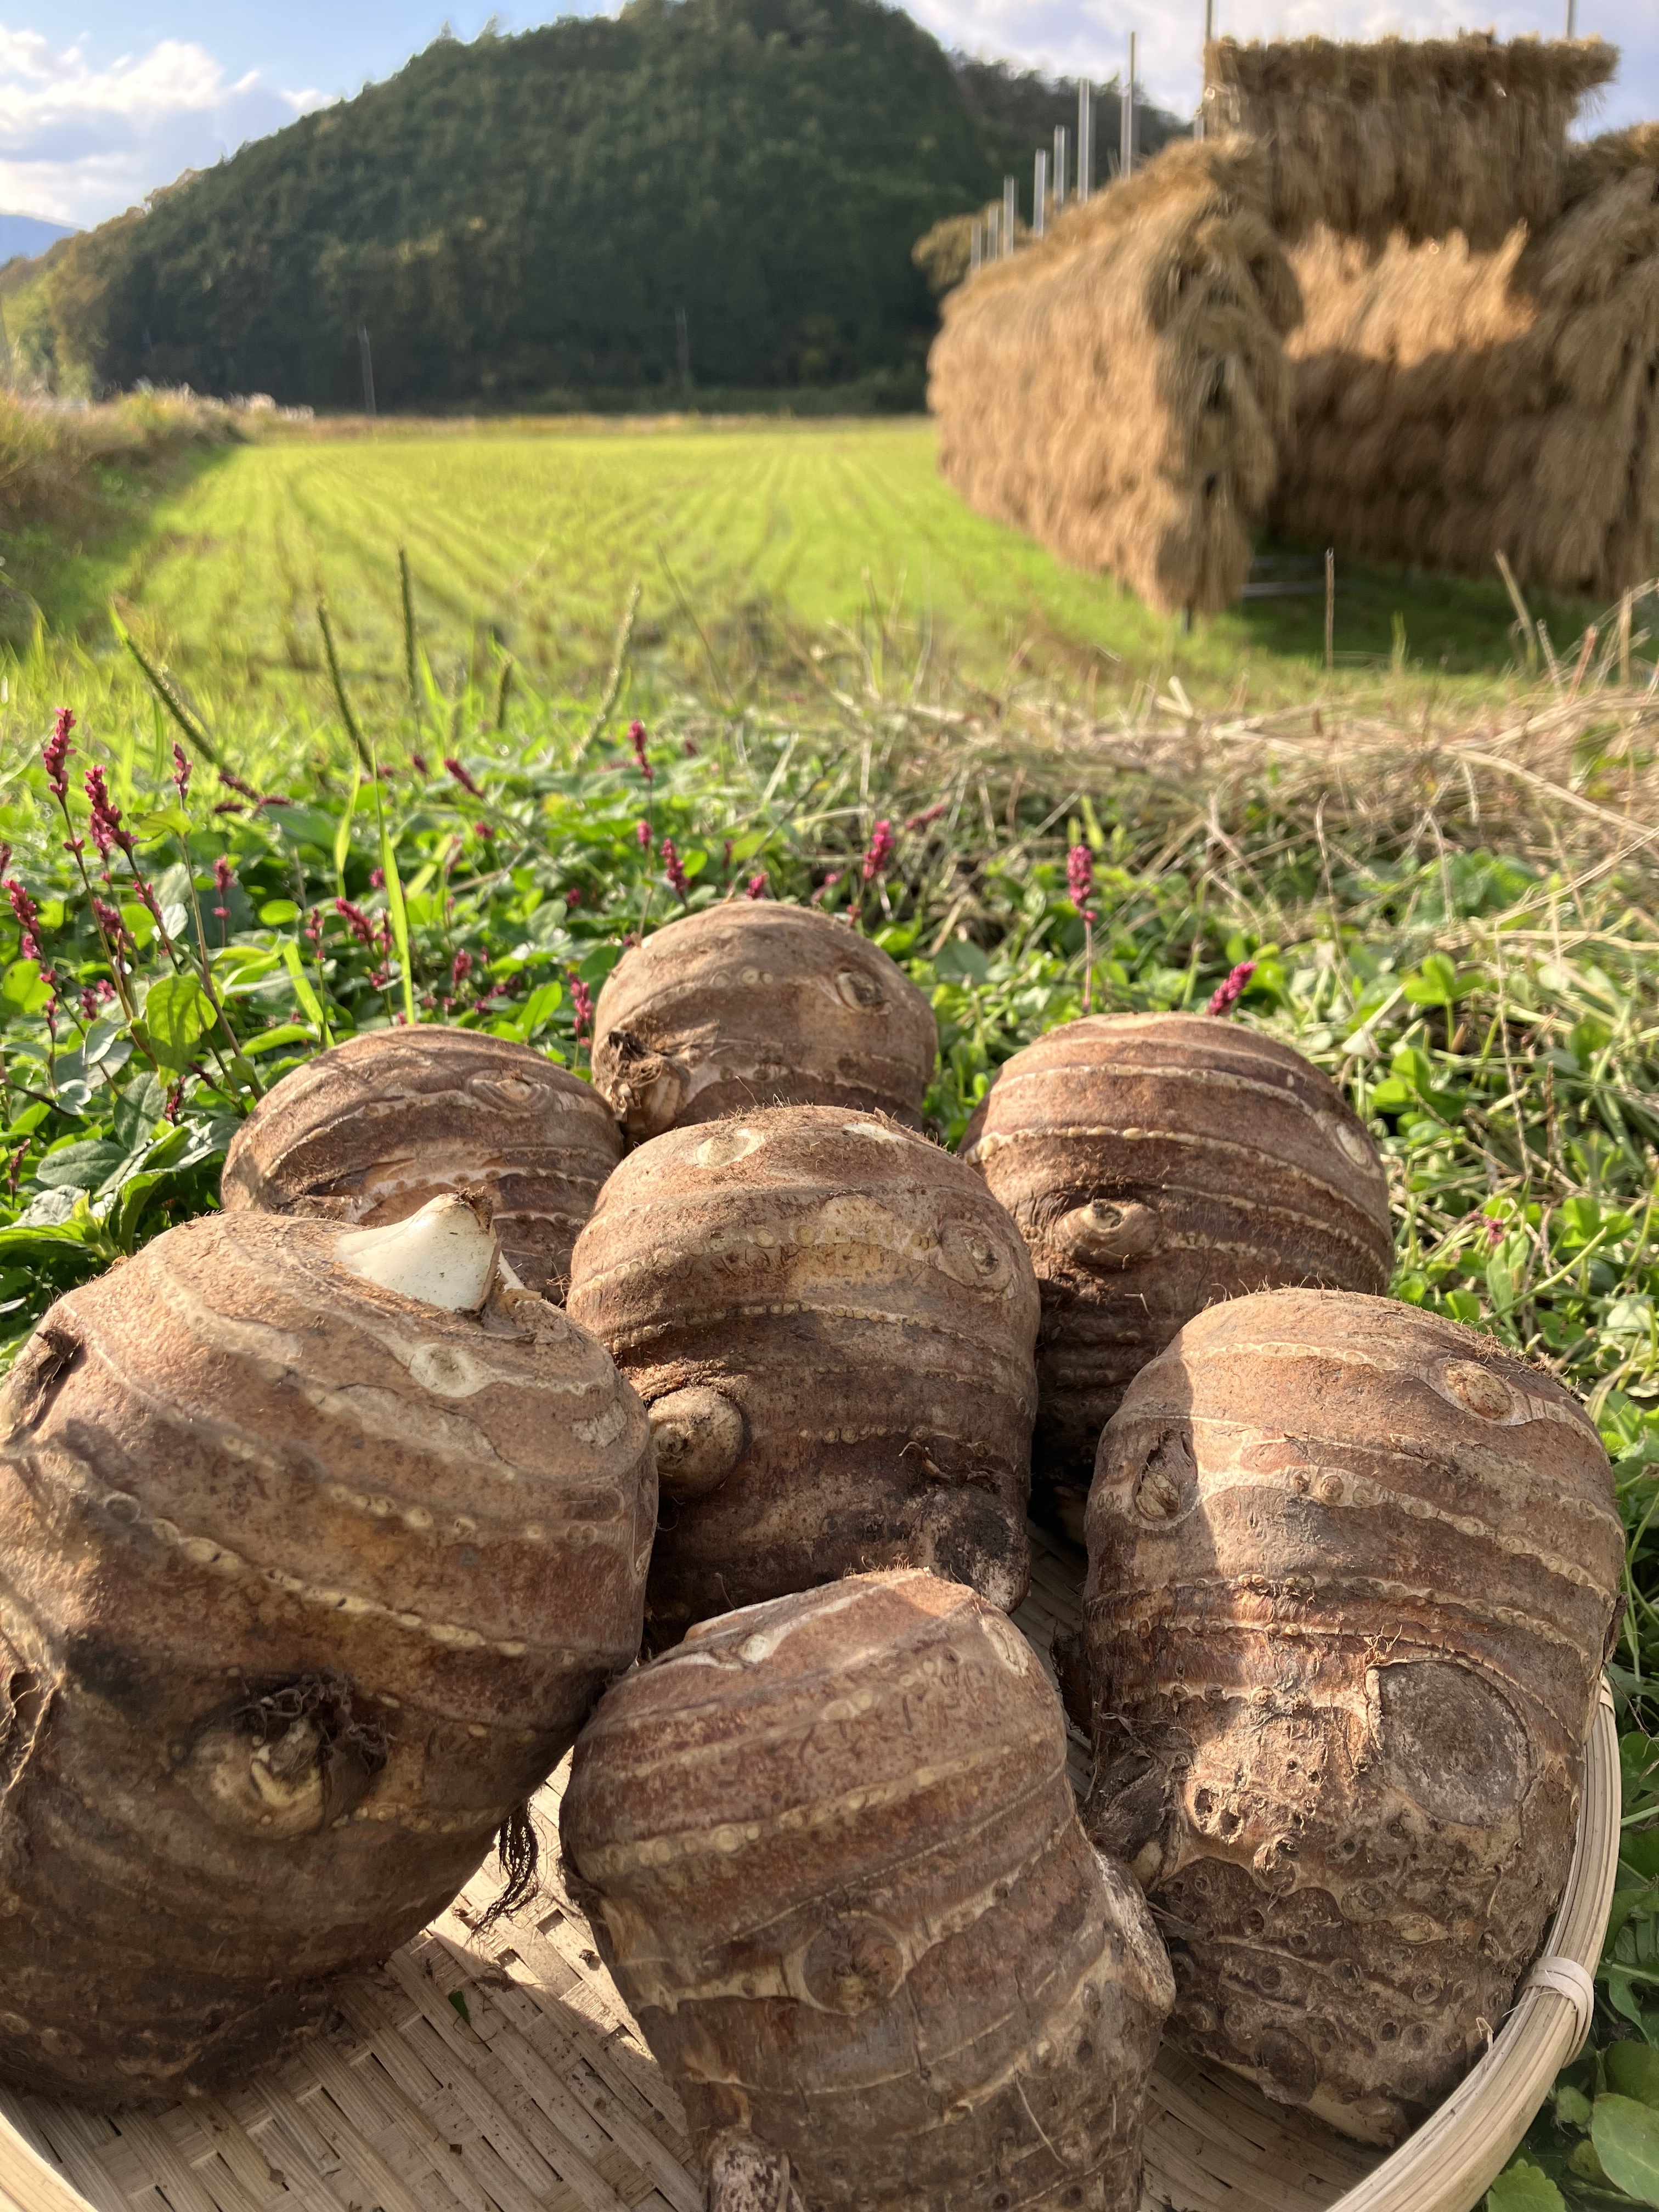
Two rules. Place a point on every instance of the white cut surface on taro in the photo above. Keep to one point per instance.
(375, 1128)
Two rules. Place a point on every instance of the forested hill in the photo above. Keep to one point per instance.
(561, 211)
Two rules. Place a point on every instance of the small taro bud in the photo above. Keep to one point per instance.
(305, 1585)
(1351, 1572)
(370, 1130)
(831, 1856)
(745, 1005)
(1156, 1163)
(831, 1322)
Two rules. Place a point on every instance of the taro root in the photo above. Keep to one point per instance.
(368, 1132)
(1155, 1163)
(753, 1003)
(830, 1321)
(831, 1857)
(308, 1576)
(1351, 1571)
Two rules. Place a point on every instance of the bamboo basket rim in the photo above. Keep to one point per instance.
(541, 2071)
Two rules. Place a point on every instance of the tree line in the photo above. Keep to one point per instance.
(726, 188)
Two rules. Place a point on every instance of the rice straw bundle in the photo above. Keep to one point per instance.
(1447, 134)
(1452, 405)
(1119, 388)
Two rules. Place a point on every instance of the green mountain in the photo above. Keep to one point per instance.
(727, 186)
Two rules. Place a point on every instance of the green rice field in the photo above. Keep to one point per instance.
(526, 539)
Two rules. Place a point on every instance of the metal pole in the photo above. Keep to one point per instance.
(367, 362)
(1060, 169)
(975, 253)
(1572, 19)
(991, 242)
(1039, 194)
(1085, 140)
(1010, 213)
(1126, 119)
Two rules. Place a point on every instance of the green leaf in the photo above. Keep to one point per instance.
(1435, 983)
(275, 912)
(1633, 2071)
(1524, 2187)
(22, 990)
(459, 2003)
(269, 1039)
(343, 833)
(539, 1007)
(177, 1014)
(1572, 2106)
(310, 1005)
(1625, 2135)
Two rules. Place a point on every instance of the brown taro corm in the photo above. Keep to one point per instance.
(831, 1857)
(1156, 1163)
(306, 1583)
(1351, 1574)
(751, 1005)
(370, 1130)
(832, 1321)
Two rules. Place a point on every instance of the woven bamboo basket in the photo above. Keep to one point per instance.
(502, 2073)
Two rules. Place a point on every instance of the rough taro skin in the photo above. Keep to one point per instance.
(1351, 1574)
(831, 1856)
(372, 1129)
(832, 1321)
(304, 1586)
(1157, 1163)
(755, 1004)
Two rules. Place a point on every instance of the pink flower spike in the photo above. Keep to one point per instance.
(755, 887)
(461, 776)
(672, 870)
(1080, 879)
(180, 771)
(56, 753)
(637, 738)
(582, 999)
(880, 852)
(1227, 995)
(642, 831)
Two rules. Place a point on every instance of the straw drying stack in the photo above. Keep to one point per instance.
(1119, 388)
(1450, 134)
(1453, 404)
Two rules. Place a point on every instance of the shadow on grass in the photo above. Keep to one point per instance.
(70, 574)
(1462, 625)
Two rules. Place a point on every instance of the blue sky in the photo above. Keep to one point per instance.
(101, 100)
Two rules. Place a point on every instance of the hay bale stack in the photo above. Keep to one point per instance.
(1118, 389)
(1452, 405)
(1425, 138)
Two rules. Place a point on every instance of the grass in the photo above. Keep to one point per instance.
(1447, 883)
(526, 537)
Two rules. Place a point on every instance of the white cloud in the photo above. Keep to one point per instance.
(1091, 37)
(80, 142)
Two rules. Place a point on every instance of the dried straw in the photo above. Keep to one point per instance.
(1119, 388)
(1452, 405)
(1448, 134)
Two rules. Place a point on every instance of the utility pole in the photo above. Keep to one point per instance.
(1060, 169)
(1572, 19)
(1039, 194)
(1010, 213)
(367, 360)
(1201, 123)
(1126, 162)
(1085, 140)
(991, 242)
(975, 246)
